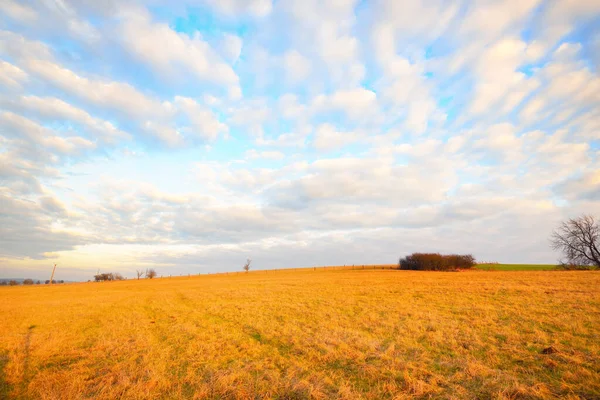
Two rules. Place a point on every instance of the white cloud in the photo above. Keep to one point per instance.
(178, 54)
(167, 134)
(400, 26)
(567, 87)
(585, 186)
(11, 76)
(488, 19)
(53, 109)
(328, 138)
(251, 115)
(204, 123)
(268, 155)
(19, 12)
(365, 181)
(404, 90)
(256, 8)
(291, 108)
(501, 140)
(499, 85)
(292, 139)
(561, 17)
(43, 136)
(26, 228)
(322, 31)
(354, 102)
(231, 47)
(419, 114)
(118, 96)
(297, 67)
(17, 46)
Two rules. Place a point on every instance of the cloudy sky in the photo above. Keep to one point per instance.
(189, 135)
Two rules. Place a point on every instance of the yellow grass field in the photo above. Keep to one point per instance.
(348, 334)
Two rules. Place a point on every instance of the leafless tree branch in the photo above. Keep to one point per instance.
(578, 239)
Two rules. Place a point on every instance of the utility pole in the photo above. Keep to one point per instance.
(52, 277)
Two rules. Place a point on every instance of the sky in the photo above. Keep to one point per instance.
(190, 135)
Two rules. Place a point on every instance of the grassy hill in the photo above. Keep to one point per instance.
(310, 333)
(516, 267)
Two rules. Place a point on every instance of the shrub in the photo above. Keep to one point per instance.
(151, 273)
(13, 283)
(28, 282)
(110, 276)
(436, 262)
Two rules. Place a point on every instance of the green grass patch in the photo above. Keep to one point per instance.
(516, 267)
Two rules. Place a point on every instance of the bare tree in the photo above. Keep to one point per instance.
(139, 273)
(579, 240)
(247, 265)
(151, 273)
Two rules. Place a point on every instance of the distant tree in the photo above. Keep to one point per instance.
(38, 282)
(247, 265)
(28, 282)
(118, 277)
(579, 241)
(151, 273)
(61, 281)
(139, 273)
(47, 281)
(13, 283)
(3, 283)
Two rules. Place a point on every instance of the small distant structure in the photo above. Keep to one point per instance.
(52, 276)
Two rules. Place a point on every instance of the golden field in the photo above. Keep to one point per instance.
(347, 334)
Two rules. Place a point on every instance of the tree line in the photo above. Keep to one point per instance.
(28, 281)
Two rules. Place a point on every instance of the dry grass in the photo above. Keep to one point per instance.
(306, 334)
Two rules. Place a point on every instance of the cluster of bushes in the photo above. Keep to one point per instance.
(436, 262)
(110, 276)
(150, 273)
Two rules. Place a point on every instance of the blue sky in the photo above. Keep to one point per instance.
(193, 134)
